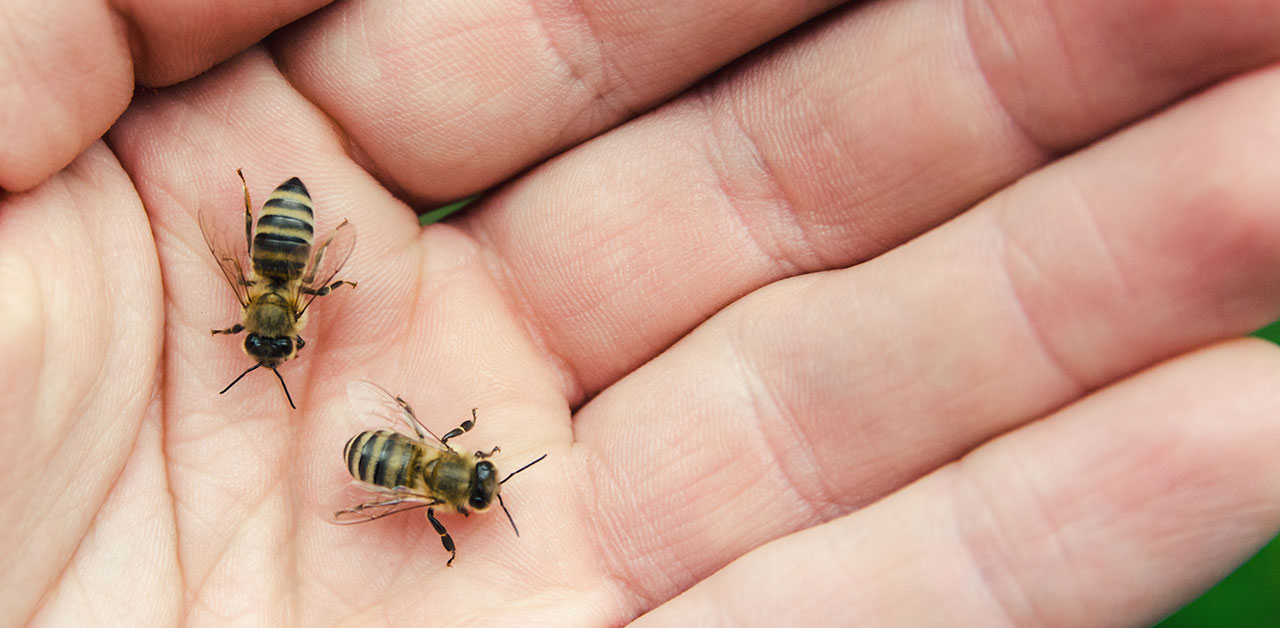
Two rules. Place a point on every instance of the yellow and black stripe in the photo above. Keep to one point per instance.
(286, 229)
(384, 458)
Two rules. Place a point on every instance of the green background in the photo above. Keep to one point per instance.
(1248, 597)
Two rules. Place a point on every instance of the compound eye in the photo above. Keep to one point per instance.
(484, 471)
(283, 346)
(486, 485)
(253, 344)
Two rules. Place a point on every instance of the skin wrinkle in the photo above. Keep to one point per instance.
(337, 133)
(617, 569)
(1017, 301)
(67, 570)
(1080, 96)
(959, 515)
(997, 95)
(601, 89)
(625, 583)
(518, 300)
(157, 410)
(243, 524)
(56, 577)
(113, 484)
(189, 513)
(814, 495)
(1086, 209)
(566, 369)
(982, 562)
(764, 174)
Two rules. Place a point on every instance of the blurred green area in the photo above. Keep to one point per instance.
(444, 211)
(1250, 596)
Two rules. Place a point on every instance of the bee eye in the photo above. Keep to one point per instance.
(267, 347)
(485, 486)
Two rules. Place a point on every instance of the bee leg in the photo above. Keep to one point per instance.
(234, 329)
(248, 213)
(329, 288)
(445, 539)
(299, 343)
(461, 429)
(481, 454)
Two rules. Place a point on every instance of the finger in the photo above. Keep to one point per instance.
(48, 117)
(70, 69)
(784, 165)
(822, 393)
(1112, 512)
(80, 323)
(172, 42)
(447, 99)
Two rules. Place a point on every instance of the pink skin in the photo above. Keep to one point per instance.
(1012, 400)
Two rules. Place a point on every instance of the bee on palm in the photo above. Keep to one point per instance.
(284, 277)
(401, 469)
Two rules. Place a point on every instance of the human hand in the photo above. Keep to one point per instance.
(765, 395)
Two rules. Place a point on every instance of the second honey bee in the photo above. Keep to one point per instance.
(404, 470)
(284, 277)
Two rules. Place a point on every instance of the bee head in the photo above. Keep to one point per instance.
(262, 349)
(269, 350)
(484, 486)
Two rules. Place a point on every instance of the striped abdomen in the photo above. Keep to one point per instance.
(282, 241)
(385, 458)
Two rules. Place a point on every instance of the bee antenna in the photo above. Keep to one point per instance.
(503, 504)
(504, 480)
(286, 388)
(504, 509)
(246, 372)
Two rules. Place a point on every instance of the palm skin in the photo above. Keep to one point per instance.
(762, 396)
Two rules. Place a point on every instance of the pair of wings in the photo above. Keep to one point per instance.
(230, 250)
(375, 408)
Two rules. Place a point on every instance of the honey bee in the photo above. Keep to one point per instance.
(405, 470)
(284, 278)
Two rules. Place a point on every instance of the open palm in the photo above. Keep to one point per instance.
(908, 317)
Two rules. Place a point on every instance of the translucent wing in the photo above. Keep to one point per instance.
(376, 408)
(228, 249)
(328, 259)
(360, 503)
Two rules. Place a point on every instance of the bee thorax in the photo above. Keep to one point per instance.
(270, 316)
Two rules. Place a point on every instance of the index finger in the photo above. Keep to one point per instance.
(447, 99)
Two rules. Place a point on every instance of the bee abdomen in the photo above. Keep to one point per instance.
(286, 226)
(382, 458)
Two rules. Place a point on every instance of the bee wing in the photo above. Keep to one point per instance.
(324, 265)
(375, 407)
(228, 250)
(360, 503)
